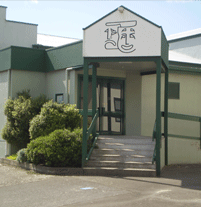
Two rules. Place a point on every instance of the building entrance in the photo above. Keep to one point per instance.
(110, 102)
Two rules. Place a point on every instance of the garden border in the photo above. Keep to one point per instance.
(43, 169)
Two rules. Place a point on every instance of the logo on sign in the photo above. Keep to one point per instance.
(121, 36)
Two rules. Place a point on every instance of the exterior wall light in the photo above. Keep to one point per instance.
(121, 9)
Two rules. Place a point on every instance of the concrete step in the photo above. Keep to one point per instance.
(117, 145)
(122, 152)
(142, 141)
(122, 172)
(118, 164)
(123, 158)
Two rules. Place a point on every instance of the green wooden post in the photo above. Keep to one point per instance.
(166, 116)
(94, 71)
(158, 115)
(85, 111)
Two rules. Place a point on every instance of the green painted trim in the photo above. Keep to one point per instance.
(164, 49)
(116, 10)
(4, 7)
(94, 105)
(183, 65)
(183, 137)
(21, 22)
(184, 38)
(158, 115)
(122, 59)
(184, 70)
(148, 73)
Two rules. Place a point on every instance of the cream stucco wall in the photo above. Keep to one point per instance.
(3, 97)
(56, 84)
(180, 150)
(22, 80)
(133, 103)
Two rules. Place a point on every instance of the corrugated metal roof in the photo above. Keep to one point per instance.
(175, 56)
(184, 34)
(54, 41)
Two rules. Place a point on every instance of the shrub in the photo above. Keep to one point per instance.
(12, 157)
(19, 112)
(54, 116)
(21, 155)
(61, 148)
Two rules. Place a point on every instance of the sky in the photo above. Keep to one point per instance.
(67, 18)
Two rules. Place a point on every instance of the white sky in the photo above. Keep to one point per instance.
(67, 18)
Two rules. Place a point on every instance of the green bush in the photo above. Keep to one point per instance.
(19, 112)
(12, 157)
(21, 155)
(61, 148)
(54, 116)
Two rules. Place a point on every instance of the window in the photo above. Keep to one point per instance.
(174, 90)
(59, 98)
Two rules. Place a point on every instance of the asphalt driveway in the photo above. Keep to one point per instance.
(177, 186)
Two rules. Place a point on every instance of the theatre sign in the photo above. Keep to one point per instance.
(122, 33)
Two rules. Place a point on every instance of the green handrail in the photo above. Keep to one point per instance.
(184, 117)
(92, 125)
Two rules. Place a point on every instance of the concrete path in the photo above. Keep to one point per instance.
(178, 186)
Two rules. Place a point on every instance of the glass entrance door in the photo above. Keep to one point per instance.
(111, 102)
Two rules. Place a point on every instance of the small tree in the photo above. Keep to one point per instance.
(19, 112)
(54, 116)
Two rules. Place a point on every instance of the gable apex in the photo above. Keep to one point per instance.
(125, 8)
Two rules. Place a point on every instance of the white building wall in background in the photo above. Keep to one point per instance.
(16, 33)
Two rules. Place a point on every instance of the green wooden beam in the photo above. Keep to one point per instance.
(166, 117)
(158, 114)
(94, 79)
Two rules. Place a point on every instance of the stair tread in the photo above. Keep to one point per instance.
(118, 168)
(129, 162)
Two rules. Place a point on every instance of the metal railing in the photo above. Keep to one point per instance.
(187, 118)
(181, 117)
(90, 130)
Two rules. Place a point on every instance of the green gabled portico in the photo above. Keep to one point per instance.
(120, 38)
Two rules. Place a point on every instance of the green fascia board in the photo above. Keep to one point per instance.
(27, 59)
(184, 38)
(116, 10)
(121, 59)
(178, 67)
(164, 48)
(5, 59)
(66, 56)
(184, 64)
